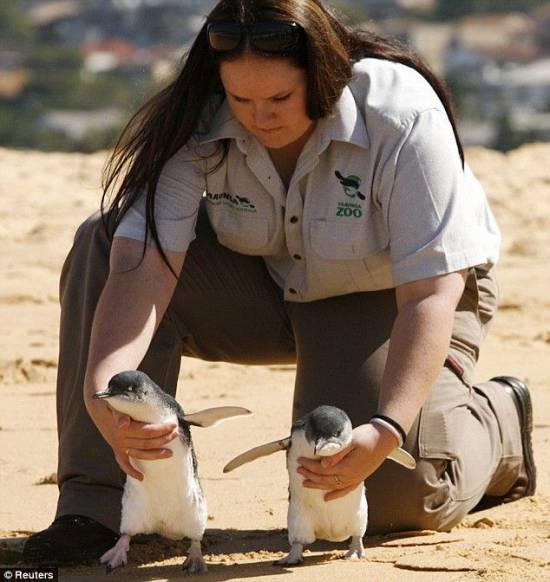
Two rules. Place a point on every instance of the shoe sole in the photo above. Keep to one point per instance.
(525, 409)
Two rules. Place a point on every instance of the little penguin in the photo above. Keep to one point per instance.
(323, 432)
(169, 501)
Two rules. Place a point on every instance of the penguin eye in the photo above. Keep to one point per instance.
(131, 388)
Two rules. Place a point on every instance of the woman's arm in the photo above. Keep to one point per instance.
(418, 347)
(128, 313)
(419, 344)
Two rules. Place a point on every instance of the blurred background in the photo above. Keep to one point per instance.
(73, 71)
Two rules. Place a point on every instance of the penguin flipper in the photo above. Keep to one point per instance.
(213, 416)
(256, 453)
(403, 458)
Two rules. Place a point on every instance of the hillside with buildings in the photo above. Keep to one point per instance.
(73, 71)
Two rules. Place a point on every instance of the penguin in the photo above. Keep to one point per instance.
(169, 501)
(323, 432)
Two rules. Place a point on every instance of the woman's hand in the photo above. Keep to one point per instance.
(129, 438)
(343, 472)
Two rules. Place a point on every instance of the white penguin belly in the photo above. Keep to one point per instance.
(310, 515)
(168, 501)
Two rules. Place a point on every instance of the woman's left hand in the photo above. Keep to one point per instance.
(343, 472)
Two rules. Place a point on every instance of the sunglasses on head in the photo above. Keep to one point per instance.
(266, 37)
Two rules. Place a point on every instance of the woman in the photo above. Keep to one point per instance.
(340, 229)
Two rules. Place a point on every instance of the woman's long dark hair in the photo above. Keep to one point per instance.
(168, 120)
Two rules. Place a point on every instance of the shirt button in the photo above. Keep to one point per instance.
(292, 291)
(298, 257)
(294, 219)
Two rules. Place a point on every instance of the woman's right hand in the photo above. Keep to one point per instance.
(129, 438)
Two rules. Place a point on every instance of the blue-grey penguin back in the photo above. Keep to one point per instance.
(185, 436)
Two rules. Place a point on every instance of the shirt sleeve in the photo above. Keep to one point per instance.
(437, 214)
(178, 194)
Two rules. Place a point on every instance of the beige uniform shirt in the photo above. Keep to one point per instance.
(379, 197)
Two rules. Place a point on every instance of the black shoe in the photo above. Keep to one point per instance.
(70, 539)
(525, 411)
(522, 400)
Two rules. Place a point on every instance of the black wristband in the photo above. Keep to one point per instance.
(395, 425)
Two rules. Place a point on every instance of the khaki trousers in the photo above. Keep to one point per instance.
(227, 308)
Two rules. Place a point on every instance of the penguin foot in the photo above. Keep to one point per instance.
(356, 550)
(117, 555)
(352, 555)
(294, 557)
(195, 564)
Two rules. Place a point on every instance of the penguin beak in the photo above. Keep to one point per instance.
(327, 448)
(102, 395)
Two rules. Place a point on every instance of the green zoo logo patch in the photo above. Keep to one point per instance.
(349, 210)
(351, 185)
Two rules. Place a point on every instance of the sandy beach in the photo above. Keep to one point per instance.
(46, 196)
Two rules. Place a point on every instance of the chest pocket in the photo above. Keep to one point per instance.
(240, 231)
(349, 254)
(334, 240)
(339, 240)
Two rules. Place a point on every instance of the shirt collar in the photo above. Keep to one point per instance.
(345, 124)
(224, 126)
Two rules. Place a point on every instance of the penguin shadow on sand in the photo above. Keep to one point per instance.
(323, 432)
(224, 549)
(218, 572)
(231, 555)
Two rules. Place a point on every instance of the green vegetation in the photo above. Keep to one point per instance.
(451, 9)
(20, 129)
(13, 26)
(352, 12)
(508, 137)
(56, 81)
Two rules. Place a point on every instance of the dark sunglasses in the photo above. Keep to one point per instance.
(266, 37)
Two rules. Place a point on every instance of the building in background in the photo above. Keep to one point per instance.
(84, 66)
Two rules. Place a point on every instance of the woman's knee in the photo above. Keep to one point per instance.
(96, 223)
(403, 500)
(89, 254)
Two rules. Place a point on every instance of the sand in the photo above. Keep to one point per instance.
(45, 197)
